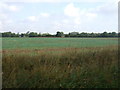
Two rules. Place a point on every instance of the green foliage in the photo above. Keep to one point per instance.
(10, 34)
(32, 34)
(60, 34)
(46, 35)
(73, 34)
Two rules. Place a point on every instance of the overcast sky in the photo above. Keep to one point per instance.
(58, 15)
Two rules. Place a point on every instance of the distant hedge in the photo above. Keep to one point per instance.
(60, 34)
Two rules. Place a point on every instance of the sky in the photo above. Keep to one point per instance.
(50, 16)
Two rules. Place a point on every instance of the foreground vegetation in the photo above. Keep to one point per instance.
(65, 68)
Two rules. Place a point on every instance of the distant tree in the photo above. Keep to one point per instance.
(74, 34)
(9, 34)
(104, 34)
(13, 35)
(83, 34)
(67, 35)
(6, 34)
(46, 35)
(33, 34)
(27, 33)
(17, 35)
(114, 34)
(22, 35)
(39, 35)
(92, 34)
(59, 34)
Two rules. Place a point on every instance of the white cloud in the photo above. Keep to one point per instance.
(65, 21)
(1, 26)
(59, 1)
(77, 21)
(71, 19)
(106, 9)
(9, 21)
(90, 17)
(45, 14)
(36, 18)
(71, 10)
(32, 18)
(79, 15)
(7, 7)
(2, 5)
(3, 16)
(13, 8)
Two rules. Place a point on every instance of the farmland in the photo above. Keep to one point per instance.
(60, 62)
(42, 43)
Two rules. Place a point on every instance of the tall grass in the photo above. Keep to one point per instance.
(71, 68)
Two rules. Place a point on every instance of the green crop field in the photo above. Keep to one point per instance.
(80, 63)
(39, 43)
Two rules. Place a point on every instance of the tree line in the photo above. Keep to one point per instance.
(60, 34)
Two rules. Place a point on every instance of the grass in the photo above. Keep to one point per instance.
(42, 43)
(60, 62)
(91, 67)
